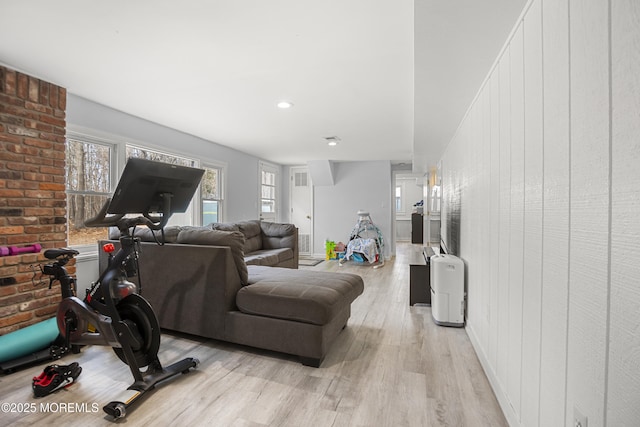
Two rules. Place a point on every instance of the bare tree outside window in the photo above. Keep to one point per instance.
(143, 153)
(88, 171)
(211, 195)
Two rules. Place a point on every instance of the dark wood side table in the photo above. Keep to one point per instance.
(420, 277)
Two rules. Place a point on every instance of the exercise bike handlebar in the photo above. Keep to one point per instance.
(103, 219)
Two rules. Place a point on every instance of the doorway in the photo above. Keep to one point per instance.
(408, 192)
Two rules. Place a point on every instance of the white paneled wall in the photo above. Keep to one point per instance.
(623, 368)
(533, 191)
(555, 218)
(589, 184)
(546, 165)
(516, 219)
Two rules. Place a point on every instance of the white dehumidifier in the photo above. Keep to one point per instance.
(447, 290)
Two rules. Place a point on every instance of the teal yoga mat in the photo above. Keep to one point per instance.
(28, 340)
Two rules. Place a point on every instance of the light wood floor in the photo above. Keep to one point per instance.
(391, 366)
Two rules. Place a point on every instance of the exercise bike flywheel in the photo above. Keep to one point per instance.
(137, 312)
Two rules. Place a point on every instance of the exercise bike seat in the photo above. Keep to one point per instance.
(58, 252)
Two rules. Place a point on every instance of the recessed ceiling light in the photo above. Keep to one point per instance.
(332, 141)
(284, 104)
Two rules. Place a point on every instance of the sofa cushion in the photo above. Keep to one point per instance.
(252, 235)
(268, 256)
(314, 297)
(206, 236)
(277, 235)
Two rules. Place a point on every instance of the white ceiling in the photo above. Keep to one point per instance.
(216, 69)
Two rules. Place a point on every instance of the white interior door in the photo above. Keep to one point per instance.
(301, 203)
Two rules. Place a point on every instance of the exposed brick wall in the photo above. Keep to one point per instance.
(32, 192)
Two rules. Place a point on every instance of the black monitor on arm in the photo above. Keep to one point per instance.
(154, 189)
(144, 181)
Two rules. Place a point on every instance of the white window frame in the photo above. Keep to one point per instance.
(81, 135)
(118, 145)
(399, 199)
(269, 167)
(222, 205)
(402, 212)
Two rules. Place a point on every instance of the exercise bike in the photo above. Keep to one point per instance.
(113, 313)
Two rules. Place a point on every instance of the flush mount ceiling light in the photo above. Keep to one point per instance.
(332, 141)
(284, 104)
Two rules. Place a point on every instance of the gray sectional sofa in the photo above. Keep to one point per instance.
(239, 282)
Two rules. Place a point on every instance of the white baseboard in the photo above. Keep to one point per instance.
(503, 400)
